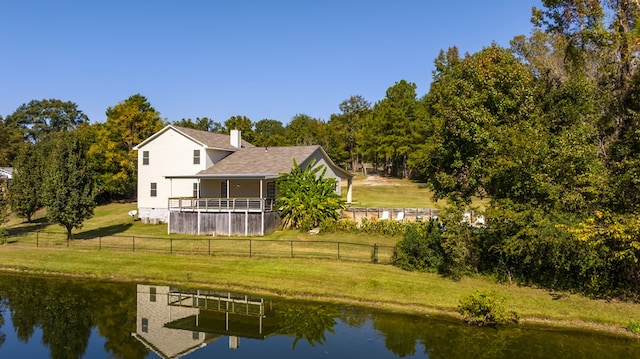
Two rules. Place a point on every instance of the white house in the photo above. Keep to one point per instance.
(208, 183)
(6, 174)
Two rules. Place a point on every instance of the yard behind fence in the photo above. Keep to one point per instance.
(211, 246)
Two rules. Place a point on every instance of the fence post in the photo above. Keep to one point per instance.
(99, 243)
(133, 241)
(170, 245)
(338, 250)
(209, 246)
(375, 253)
(291, 249)
(250, 248)
(37, 238)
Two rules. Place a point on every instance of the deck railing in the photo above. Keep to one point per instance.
(221, 204)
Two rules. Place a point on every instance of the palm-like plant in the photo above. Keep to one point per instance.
(307, 198)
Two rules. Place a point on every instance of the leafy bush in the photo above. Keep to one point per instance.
(421, 247)
(307, 198)
(485, 309)
(384, 227)
(341, 225)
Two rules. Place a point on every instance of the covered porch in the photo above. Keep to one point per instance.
(222, 216)
(225, 205)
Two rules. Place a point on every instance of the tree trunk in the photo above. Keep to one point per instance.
(69, 235)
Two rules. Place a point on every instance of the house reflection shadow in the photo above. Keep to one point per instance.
(173, 322)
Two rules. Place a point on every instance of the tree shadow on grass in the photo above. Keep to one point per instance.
(26, 227)
(103, 231)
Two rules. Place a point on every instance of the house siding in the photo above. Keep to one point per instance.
(169, 153)
(330, 173)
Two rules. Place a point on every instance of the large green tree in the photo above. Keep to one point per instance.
(481, 108)
(343, 128)
(40, 117)
(269, 132)
(397, 124)
(25, 192)
(128, 123)
(11, 140)
(69, 182)
(304, 130)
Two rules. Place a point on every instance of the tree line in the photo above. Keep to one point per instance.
(548, 130)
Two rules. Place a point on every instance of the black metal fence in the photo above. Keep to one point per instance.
(212, 246)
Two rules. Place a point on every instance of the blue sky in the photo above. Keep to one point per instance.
(261, 59)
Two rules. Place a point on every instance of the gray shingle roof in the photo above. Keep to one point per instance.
(261, 161)
(210, 139)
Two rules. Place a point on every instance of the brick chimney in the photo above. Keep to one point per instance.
(236, 138)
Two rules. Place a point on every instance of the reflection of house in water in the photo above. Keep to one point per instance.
(174, 323)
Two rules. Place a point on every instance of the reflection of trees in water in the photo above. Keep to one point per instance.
(3, 336)
(306, 321)
(355, 317)
(440, 339)
(66, 310)
(400, 334)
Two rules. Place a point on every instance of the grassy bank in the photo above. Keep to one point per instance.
(374, 285)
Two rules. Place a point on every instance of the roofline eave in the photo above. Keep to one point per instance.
(227, 176)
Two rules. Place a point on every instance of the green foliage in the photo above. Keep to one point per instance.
(384, 227)
(421, 247)
(458, 243)
(11, 140)
(306, 198)
(128, 123)
(344, 128)
(474, 104)
(341, 225)
(202, 124)
(69, 182)
(242, 123)
(269, 133)
(25, 192)
(485, 309)
(304, 130)
(38, 118)
(395, 127)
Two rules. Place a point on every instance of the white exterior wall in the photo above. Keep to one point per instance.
(214, 156)
(170, 154)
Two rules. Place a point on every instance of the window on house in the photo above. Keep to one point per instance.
(195, 335)
(145, 325)
(154, 189)
(145, 157)
(152, 294)
(223, 189)
(196, 157)
(195, 190)
(271, 190)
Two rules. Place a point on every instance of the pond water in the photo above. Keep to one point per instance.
(52, 317)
